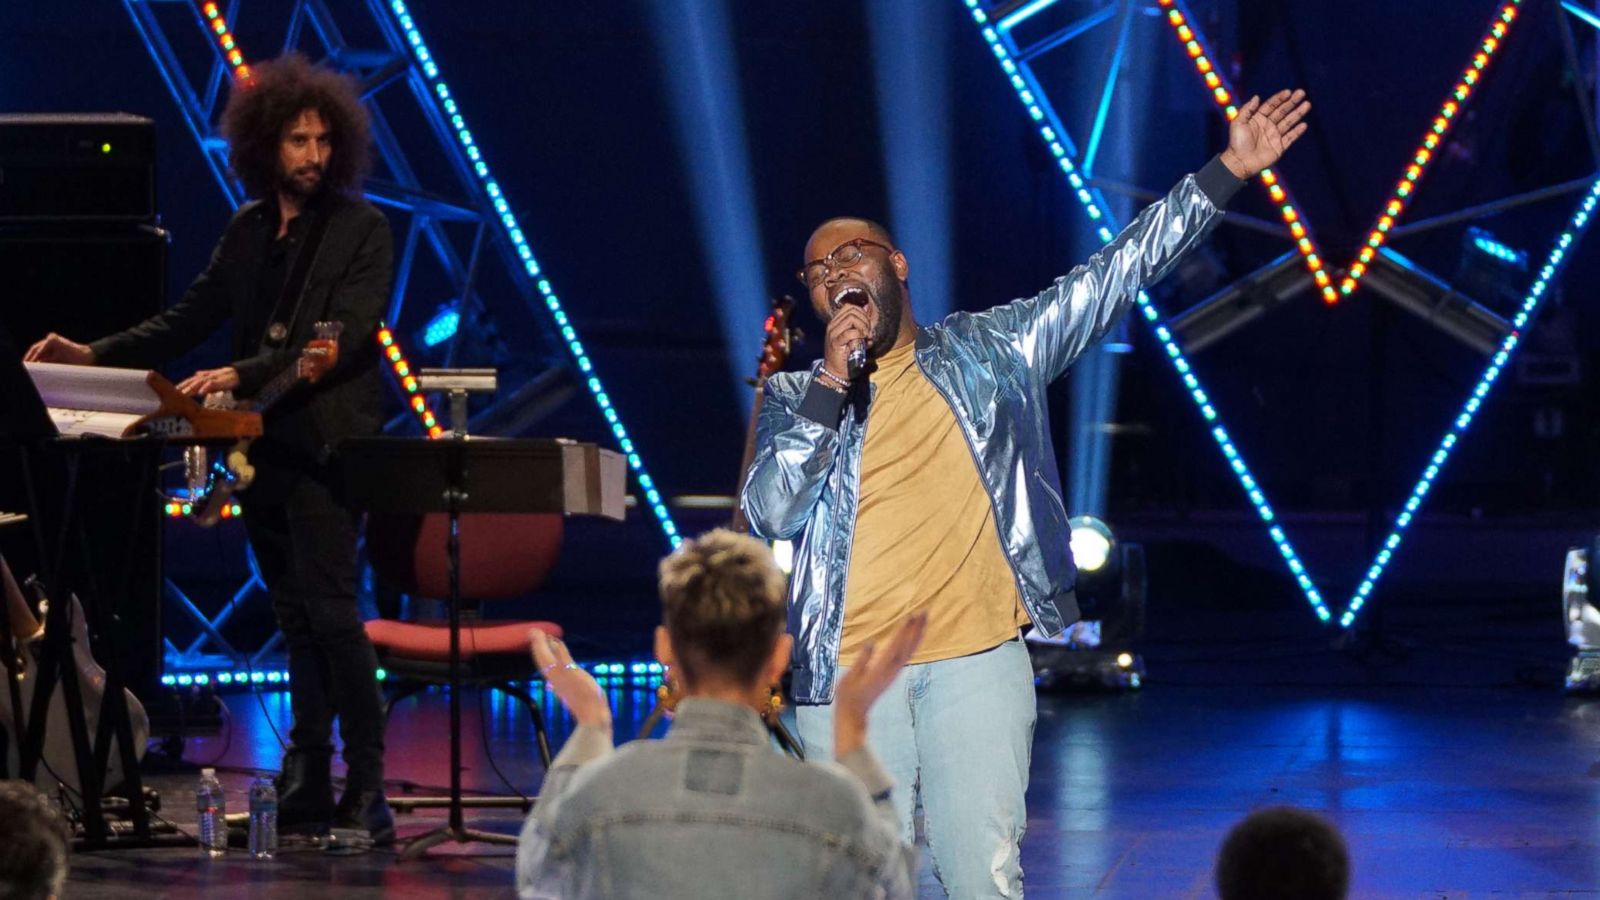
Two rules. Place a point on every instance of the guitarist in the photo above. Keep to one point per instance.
(306, 249)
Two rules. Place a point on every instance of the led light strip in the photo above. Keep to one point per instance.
(179, 507)
(1427, 151)
(269, 678)
(1050, 130)
(226, 677)
(1576, 226)
(408, 382)
(616, 673)
(636, 674)
(441, 94)
(1222, 95)
(230, 48)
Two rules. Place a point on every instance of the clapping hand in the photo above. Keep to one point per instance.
(859, 687)
(577, 688)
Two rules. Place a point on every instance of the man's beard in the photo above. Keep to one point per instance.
(889, 296)
(292, 185)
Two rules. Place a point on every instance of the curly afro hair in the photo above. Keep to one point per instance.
(259, 110)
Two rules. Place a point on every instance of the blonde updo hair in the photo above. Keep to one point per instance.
(722, 598)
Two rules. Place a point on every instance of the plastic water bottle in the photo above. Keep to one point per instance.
(263, 818)
(212, 805)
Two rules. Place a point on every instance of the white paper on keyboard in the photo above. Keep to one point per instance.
(81, 422)
(94, 388)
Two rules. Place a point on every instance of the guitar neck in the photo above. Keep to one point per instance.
(774, 351)
(739, 523)
(280, 384)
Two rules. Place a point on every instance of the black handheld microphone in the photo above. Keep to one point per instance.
(856, 362)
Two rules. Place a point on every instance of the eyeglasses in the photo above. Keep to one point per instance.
(843, 256)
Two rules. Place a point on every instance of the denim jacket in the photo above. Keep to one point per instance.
(711, 811)
(992, 367)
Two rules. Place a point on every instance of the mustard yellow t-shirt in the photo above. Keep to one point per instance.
(925, 537)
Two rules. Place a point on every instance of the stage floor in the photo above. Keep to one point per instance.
(1441, 792)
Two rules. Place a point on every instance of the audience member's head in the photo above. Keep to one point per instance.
(722, 598)
(1283, 853)
(33, 853)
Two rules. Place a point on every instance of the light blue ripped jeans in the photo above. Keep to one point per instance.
(961, 731)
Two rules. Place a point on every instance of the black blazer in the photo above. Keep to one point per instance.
(349, 282)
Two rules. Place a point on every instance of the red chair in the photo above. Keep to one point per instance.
(503, 555)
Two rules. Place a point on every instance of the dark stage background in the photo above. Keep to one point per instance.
(1336, 408)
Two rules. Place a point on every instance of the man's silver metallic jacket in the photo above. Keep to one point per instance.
(992, 367)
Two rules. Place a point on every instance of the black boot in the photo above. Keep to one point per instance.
(363, 819)
(305, 791)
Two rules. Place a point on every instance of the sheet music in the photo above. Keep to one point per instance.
(81, 422)
(96, 388)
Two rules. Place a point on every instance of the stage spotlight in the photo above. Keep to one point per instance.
(783, 554)
(1487, 244)
(1578, 590)
(443, 326)
(1490, 270)
(1091, 543)
(1097, 651)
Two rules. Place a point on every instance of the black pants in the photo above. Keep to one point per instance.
(305, 543)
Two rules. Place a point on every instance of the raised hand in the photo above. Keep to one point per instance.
(1261, 132)
(575, 687)
(862, 684)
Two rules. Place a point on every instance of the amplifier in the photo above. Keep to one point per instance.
(59, 167)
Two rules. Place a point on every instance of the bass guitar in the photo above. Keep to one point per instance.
(58, 761)
(212, 483)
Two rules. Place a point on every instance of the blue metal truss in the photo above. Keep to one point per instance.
(1016, 65)
(475, 198)
(1018, 70)
(1532, 302)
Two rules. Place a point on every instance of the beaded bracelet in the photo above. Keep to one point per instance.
(832, 381)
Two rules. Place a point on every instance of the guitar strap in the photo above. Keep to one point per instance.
(286, 312)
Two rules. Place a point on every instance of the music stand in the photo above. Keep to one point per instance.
(458, 475)
(28, 428)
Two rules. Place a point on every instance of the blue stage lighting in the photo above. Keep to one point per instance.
(1490, 246)
(442, 327)
(1588, 16)
(700, 71)
(1023, 13)
(908, 42)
